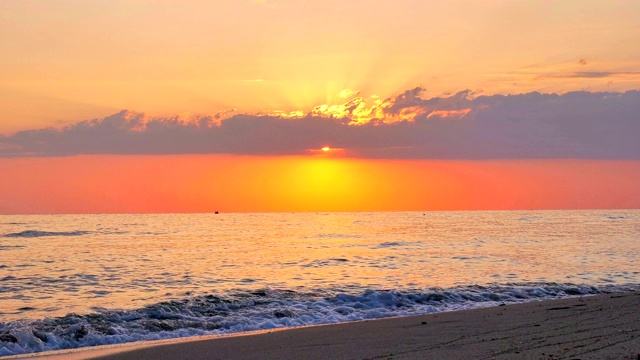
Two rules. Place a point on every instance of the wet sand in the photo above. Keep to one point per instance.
(596, 327)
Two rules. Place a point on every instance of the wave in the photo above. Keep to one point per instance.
(8, 247)
(613, 217)
(37, 233)
(389, 244)
(264, 309)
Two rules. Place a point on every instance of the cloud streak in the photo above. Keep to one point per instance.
(588, 125)
(590, 75)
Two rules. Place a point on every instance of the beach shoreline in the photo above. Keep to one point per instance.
(604, 326)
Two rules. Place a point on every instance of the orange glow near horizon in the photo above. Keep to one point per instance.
(207, 183)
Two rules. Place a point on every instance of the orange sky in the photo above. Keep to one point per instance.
(207, 183)
(383, 79)
(65, 61)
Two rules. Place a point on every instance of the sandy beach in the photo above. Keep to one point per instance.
(595, 327)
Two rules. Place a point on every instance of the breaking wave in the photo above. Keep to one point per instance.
(264, 309)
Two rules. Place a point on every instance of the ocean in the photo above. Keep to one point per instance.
(69, 281)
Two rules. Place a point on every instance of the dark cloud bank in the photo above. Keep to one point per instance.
(588, 125)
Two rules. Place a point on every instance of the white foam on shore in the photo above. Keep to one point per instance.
(263, 310)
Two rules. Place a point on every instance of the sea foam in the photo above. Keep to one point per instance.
(263, 309)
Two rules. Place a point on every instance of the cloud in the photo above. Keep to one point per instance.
(589, 75)
(581, 69)
(347, 93)
(588, 125)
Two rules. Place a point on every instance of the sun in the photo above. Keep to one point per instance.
(326, 148)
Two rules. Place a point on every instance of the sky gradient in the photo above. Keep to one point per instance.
(163, 106)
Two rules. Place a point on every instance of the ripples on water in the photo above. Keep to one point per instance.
(133, 277)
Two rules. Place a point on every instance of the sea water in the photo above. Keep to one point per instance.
(70, 281)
